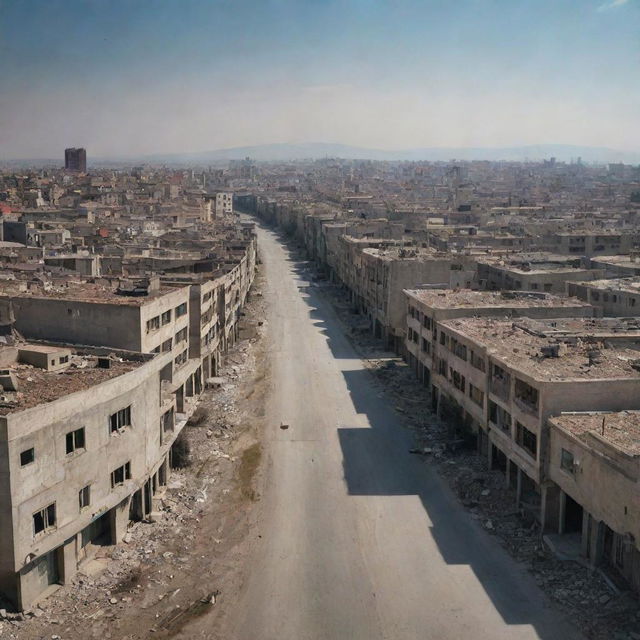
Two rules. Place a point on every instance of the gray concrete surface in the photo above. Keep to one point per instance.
(360, 539)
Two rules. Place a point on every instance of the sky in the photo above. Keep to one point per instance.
(132, 77)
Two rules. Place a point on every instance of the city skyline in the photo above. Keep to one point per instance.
(154, 77)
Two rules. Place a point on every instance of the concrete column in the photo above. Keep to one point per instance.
(119, 519)
(69, 559)
(549, 509)
(562, 510)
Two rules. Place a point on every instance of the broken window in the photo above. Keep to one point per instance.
(45, 519)
(527, 440)
(458, 380)
(477, 361)
(75, 440)
(181, 310)
(167, 345)
(119, 475)
(27, 457)
(426, 345)
(499, 416)
(84, 497)
(120, 419)
(476, 395)
(181, 335)
(153, 324)
(165, 318)
(526, 396)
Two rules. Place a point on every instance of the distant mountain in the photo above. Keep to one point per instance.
(314, 150)
(285, 151)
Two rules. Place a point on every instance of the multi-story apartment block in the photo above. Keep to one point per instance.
(593, 475)
(534, 272)
(614, 297)
(504, 379)
(85, 443)
(427, 307)
(140, 316)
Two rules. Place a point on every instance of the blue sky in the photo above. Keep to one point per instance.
(142, 76)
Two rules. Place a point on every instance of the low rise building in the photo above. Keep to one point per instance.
(593, 476)
(85, 444)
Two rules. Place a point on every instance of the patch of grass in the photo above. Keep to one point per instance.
(249, 463)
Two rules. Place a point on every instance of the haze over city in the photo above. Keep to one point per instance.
(132, 78)
(320, 319)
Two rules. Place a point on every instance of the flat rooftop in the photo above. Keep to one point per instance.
(468, 299)
(621, 428)
(521, 347)
(627, 285)
(82, 292)
(38, 386)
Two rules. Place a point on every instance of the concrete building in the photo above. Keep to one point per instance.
(75, 159)
(85, 445)
(613, 297)
(593, 475)
(501, 380)
(427, 307)
(535, 272)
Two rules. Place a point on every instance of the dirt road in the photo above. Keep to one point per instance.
(359, 540)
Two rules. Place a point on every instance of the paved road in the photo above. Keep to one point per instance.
(361, 540)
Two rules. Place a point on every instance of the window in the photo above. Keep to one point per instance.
(566, 461)
(120, 419)
(64, 359)
(181, 310)
(153, 324)
(426, 345)
(84, 497)
(165, 318)
(181, 359)
(457, 379)
(27, 457)
(167, 345)
(476, 361)
(75, 440)
(44, 520)
(119, 475)
(527, 440)
(181, 335)
(476, 395)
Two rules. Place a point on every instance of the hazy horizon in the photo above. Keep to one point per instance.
(154, 77)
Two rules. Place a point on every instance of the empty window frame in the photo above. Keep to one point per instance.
(182, 335)
(181, 310)
(165, 318)
(119, 475)
(75, 440)
(527, 440)
(167, 345)
(84, 497)
(120, 419)
(153, 324)
(45, 519)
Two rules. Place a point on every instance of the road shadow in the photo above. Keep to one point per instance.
(377, 462)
